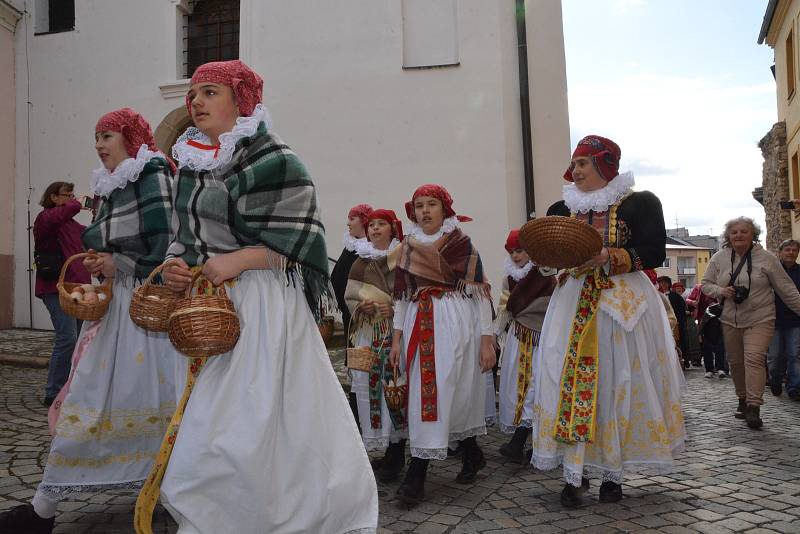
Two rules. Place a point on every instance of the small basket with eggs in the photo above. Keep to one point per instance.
(86, 302)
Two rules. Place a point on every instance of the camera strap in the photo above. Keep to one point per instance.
(748, 258)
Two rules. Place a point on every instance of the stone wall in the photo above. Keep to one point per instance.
(775, 185)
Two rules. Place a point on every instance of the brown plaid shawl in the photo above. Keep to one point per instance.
(451, 263)
(529, 298)
(370, 280)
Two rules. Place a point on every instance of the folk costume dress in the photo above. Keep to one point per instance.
(607, 383)
(266, 442)
(372, 278)
(443, 308)
(523, 303)
(341, 270)
(108, 420)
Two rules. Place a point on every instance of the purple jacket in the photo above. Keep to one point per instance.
(54, 229)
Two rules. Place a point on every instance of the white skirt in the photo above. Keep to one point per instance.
(268, 442)
(120, 400)
(508, 385)
(461, 387)
(375, 439)
(639, 422)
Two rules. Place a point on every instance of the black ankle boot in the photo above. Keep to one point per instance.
(393, 462)
(24, 520)
(472, 462)
(740, 409)
(412, 490)
(514, 449)
(752, 414)
(571, 496)
(610, 492)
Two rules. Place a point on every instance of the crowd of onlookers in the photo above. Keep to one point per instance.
(742, 319)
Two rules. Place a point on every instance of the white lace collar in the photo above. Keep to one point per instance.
(517, 273)
(601, 199)
(368, 251)
(448, 225)
(353, 244)
(199, 159)
(104, 182)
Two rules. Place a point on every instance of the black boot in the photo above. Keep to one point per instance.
(610, 492)
(752, 415)
(24, 520)
(740, 409)
(412, 490)
(472, 462)
(514, 449)
(571, 496)
(393, 462)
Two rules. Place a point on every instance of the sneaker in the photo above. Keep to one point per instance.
(708, 374)
(24, 520)
(721, 374)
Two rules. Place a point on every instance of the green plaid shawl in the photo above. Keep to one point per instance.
(264, 196)
(134, 222)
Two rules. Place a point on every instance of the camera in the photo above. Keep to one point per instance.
(88, 202)
(740, 294)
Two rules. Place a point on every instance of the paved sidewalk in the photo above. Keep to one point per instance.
(731, 479)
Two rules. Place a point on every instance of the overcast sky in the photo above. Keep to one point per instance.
(685, 90)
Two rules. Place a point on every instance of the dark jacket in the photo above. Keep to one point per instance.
(640, 229)
(784, 317)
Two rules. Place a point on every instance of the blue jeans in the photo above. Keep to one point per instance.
(66, 329)
(784, 357)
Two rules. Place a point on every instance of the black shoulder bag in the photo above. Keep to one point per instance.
(48, 263)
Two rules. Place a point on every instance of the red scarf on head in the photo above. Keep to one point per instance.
(604, 153)
(437, 192)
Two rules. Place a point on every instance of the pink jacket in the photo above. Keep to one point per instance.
(54, 229)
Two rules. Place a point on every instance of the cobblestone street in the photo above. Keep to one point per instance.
(731, 479)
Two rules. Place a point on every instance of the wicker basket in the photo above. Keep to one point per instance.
(360, 359)
(203, 325)
(82, 310)
(326, 327)
(395, 396)
(151, 305)
(560, 242)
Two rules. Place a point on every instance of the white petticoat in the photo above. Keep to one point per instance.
(639, 422)
(375, 439)
(461, 387)
(120, 401)
(268, 442)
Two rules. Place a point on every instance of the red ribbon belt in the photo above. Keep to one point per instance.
(422, 338)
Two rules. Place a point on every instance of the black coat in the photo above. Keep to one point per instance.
(640, 229)
(339, 275)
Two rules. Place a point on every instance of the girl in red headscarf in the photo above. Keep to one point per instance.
(443, 330)
(607, 385)
(263, 439)
(354, 238)
(523, 303)
(109, 418)
(369, 297)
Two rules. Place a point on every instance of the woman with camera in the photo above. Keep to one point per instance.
(744, 278)
(57, 236)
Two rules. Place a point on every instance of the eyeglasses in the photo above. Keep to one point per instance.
(68, 195)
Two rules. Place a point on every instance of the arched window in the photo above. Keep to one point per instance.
(213, 33)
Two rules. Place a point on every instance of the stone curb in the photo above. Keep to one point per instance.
(36, 362)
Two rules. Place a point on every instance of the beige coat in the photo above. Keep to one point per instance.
(768, 278)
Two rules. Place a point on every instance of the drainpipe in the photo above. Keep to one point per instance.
(525, 111)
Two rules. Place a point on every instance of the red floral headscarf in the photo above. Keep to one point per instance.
(390, 217)
(438, 192)
(134, 129)
(246, 84)
(604, 153)
(512, 241)
(361, 211)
